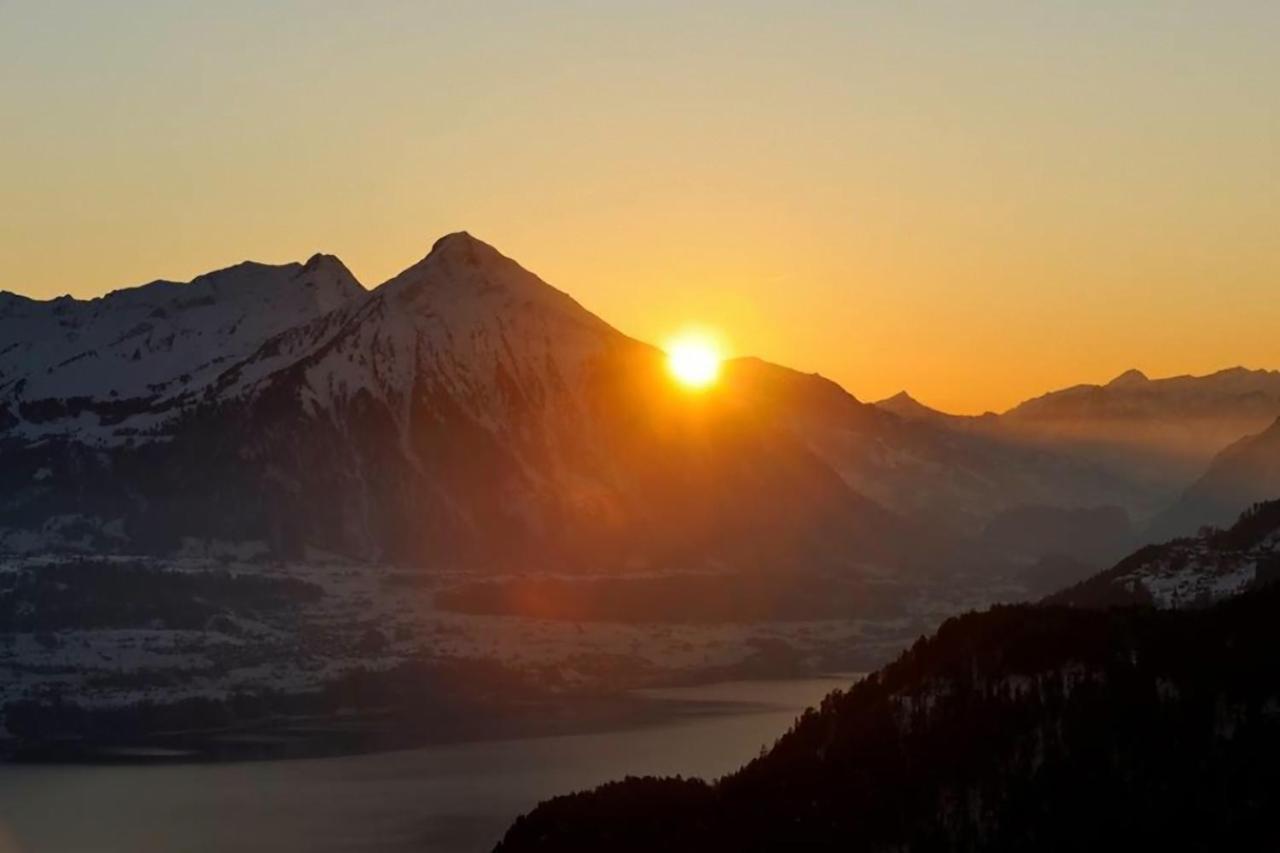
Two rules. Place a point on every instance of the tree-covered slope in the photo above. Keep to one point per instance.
(1029, 727)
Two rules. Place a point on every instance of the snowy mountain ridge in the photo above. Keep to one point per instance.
(119, 365)
(468, 321)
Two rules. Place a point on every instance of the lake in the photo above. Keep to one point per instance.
(456, 798)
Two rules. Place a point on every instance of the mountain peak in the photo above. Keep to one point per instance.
(1128, 379)
(457, 256)
(905, 406)
(330, 271)
(321, 260)
(461, 247)
(460, 263)
(464, 277)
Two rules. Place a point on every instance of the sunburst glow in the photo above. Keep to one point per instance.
(693, 360)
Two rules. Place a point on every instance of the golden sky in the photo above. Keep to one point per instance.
(973, 201)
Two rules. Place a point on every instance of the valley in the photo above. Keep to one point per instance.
(219, 658)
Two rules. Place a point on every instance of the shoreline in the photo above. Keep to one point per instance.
(329, 736)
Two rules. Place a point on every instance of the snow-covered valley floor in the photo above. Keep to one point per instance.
(127, 635)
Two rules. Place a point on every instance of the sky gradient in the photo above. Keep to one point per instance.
(973, 201)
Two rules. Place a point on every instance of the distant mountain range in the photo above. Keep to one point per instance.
(1182, 420)
(955, 478)
(1246, 472)
(467, 413)
(1183, 416)
(1202, 447)
(1044, 727)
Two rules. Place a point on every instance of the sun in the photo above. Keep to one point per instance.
(693, 360)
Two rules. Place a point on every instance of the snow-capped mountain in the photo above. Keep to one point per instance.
(107, 369)
(465, 319)
(467, 412)
(464, 412)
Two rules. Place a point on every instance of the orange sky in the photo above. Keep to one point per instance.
(976, 202)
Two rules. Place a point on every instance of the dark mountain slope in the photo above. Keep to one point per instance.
(1246, 472)
(1150, 436)
(960, 478)
(1021, 728)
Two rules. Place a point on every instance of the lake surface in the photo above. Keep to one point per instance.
(456, 798)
